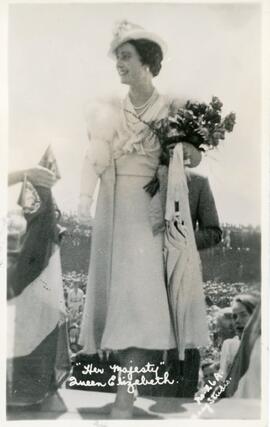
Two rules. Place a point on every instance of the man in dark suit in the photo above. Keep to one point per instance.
(203, 211)
(207, 233)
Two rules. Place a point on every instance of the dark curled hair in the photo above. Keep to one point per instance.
(150, 54)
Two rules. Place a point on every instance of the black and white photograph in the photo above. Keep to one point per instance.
(136, 184)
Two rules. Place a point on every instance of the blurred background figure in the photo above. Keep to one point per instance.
(75, 301)
(209, 367)
(224, 326)
(74, 332)
(242, 309)
(245, 374)
(227, 240)
(249, 386)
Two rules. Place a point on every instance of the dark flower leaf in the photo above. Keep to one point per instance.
(216, 103)
(199, 124)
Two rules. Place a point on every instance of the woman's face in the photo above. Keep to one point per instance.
(226, 325)
(240, 317)
(129, 65)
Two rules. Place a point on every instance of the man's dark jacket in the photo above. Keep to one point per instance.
(207, 234)
(203, 211)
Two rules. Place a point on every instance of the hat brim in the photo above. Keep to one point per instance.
(136, 35)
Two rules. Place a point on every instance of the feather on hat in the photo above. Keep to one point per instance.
(126, 31)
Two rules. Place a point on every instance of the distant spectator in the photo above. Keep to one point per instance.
(227, 240)
(212, 309)
(77, 318)
(207, 373)
(224, 326)
(245, 374)
(247, 366)
(209, 301)
(74, 331)
(75, 299)
(209, 367)
(242, 309)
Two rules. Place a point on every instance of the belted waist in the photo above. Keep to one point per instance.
(135, 175)
(136, 165)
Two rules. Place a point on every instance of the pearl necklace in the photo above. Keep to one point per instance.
(142, 108)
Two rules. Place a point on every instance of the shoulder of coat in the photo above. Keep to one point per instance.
(195, 176)
(102, 111)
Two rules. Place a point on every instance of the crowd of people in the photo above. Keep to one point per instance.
(235, 259)
(227, 326)
(142, 296)
(228, 313)
(242, 237)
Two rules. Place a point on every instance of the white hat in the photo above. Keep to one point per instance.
(126, 31)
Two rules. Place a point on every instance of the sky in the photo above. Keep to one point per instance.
(58, 64)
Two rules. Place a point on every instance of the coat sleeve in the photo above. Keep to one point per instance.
(208, 233)
(100, 131)
(89, 179)
(224, 359)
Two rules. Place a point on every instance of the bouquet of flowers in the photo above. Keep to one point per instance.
(199, 124)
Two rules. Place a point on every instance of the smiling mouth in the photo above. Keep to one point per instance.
(122, 72)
